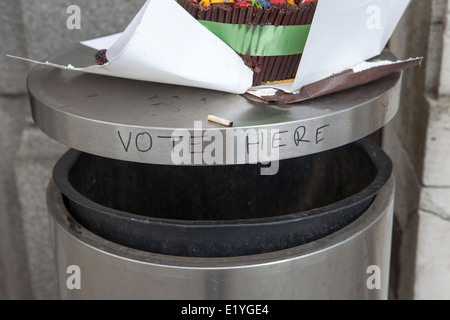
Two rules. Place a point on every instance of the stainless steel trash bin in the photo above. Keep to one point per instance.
(134, 124)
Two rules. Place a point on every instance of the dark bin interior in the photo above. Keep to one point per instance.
(221, 211)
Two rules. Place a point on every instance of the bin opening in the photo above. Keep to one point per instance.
(217, 211)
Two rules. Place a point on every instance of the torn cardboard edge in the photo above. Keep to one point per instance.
(358, 75)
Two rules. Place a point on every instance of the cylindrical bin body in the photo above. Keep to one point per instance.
(306, 239)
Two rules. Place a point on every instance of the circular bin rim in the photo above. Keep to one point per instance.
(383, 165)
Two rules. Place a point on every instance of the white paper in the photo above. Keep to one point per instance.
(164, 43)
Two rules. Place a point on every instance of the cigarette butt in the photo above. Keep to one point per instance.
(224, 122)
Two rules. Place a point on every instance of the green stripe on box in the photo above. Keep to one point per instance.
(258, 40)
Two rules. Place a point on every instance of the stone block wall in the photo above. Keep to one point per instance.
(417, 141)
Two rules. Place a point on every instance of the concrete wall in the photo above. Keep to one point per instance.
(416, 141)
